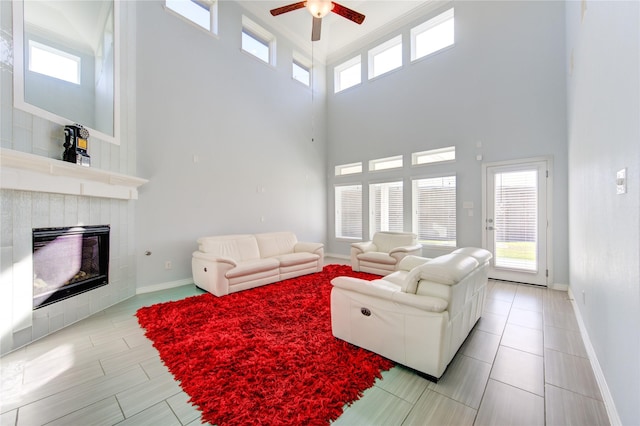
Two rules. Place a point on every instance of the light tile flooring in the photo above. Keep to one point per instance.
(524, 363)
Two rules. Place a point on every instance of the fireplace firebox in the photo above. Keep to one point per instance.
(68, 261)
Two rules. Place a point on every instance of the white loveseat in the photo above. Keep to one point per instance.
(417, 316)
(229, 263)
(382, 254)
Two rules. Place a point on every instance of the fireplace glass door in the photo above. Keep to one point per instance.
(68, 261)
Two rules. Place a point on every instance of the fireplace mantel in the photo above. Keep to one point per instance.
(28, 172)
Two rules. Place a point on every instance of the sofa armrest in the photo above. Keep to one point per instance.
(406, 249)
(308, 247)
(387, 290)
(364, 246)
(214, 258)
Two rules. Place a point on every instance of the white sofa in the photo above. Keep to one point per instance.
(382, 254)
(229, 263)
(418, 316)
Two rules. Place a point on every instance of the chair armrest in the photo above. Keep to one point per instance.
(364, 246)
(307, 247)
(386, 290)
(406, 249)
(214, 258)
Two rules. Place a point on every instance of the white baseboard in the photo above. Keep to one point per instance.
(559, 286)
(607, 398)
(164, 286)
(337, 256)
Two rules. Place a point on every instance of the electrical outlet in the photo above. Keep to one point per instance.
(168, 265)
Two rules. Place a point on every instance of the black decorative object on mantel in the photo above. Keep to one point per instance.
(76, 145)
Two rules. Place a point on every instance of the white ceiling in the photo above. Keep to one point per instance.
(338, 33)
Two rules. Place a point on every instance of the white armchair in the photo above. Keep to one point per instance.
(382, 255)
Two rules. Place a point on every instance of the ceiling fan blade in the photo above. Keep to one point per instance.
(289, 8)
(315, 29)
(350, 14)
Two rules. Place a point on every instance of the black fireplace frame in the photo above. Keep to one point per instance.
(42, 236)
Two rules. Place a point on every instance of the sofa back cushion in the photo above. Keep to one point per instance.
(276, 243)
(448, 269)
(386, 241)
(236, 247)
(481, 255)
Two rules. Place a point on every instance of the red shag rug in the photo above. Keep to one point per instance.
(263, 356)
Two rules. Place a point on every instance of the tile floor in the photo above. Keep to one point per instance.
(524, 363)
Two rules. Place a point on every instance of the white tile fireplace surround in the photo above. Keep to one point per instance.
(40, 192)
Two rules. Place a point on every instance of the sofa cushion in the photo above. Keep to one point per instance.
(237, 247)
(377, 257)
(481, 255)
(448, 269)
(276, 243)
(249, 267)
(386, 241)
(296, 258)
(409, 262)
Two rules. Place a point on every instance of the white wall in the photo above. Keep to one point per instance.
(248, 124)
(502, 84)
(603, 53)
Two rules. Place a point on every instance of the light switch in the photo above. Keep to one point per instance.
(621, 181)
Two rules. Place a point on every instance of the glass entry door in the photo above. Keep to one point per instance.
(516, 221)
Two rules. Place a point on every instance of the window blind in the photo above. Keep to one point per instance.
(434, 201)
(348, 205)
(386, 207)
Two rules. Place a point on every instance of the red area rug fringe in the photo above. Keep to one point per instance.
(264, 356)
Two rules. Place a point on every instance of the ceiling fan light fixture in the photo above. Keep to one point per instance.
(319, 8)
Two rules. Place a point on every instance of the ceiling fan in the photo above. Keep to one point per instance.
(319, 9)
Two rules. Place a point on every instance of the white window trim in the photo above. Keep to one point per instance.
(381, 48)
(337, 84)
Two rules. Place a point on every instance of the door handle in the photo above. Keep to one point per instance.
(490, 228)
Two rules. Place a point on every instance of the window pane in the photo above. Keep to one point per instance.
(348, 169)
(254, 45)
(350, 77)
(386, 206)
(385, 57)
(348, 214)
(386, 163)
(301, 73)
(434, 202)
(433, 35)
(347, 74)
(388, 60)
(196, 12)
(516, 223)
(434, 156)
